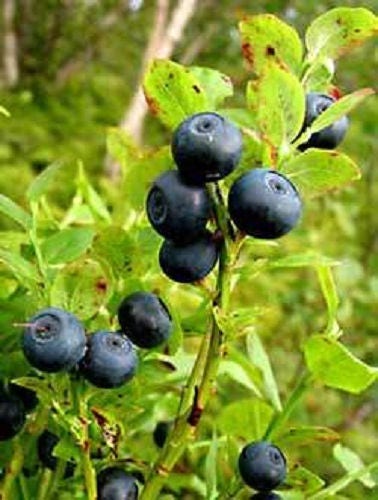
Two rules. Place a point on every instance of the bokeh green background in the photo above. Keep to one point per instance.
(55, 115)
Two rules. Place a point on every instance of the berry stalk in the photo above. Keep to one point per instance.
(204, 372)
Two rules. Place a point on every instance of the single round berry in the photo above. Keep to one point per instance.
(329, 137)
(262, 466)
(206, 147)
(176, 210)
(54, 340)
(268, 495)
(191, 262)
(145, 319)
(161, 432)
(110, 360)
(45, 446)
(12, 416)
(27, 396)
(264, 204)
(113, 483)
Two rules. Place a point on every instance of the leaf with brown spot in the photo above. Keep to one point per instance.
(338, 31)
(265, 38)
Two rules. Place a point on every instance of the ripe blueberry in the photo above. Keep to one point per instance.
(264, 204)
(176, 210)
(206, 147)
(262, 466)
(54, 340)
(191, 262)
(269, 495)
(113, 483)
(329, 137)
(145, 319)
(12, 416)
(110, 360)
(45, 445)
(27, 396)
(161, 432)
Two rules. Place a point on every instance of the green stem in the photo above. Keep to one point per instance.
(280, 419)
(89, 473)
(204, 371)
(55, 480)
(13, 470)
(342, 483)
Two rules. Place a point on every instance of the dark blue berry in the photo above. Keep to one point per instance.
(206, 147)
(191, 262)
(27, 396)
(54, 340)
(145, 319)
(12, 416)
(264, 203)
(113, 483)
(161, 432)
(329, 137)
(110, 360)
(176, 210)
(45, 446)
(262, 466)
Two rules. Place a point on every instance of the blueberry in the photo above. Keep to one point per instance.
(45, 445)
(191, 262)
(176, 210)
(110, 360)
(264, 204)
(27, 396)
(145, 319)
(54, 340)
(269, 495)
(262, 466)
(329, 137)
(12, 416)
(206, 147)
(161, 432)
(113, 483)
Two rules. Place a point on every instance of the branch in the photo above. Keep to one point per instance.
(161, 44)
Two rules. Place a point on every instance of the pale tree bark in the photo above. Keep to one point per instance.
(163, 39)
(10, 56)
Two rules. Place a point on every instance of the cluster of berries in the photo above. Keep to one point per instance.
(54, 340)
(262, 203)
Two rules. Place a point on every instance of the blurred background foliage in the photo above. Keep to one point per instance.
(78, 64)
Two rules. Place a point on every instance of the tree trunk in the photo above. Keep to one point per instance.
(162, 42)
(10, 56)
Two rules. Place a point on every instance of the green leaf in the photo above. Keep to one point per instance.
(351, 463)
(339, 109)
(91, 197)
(328, 287)
(331, 363)
(266, 38)
(306, 435)
(238, 374)
(67, 245)
(173, 93)
(211, 469)
(216, 85)
(11, 209)
(306, 259)
(4, 112)
(339, 30)
(259, 358)
(246, 418)
(318, 76)
(277, 101)
(304, 480)
(66, 450)
(315, 172)
(42, 183)
(20, 267)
